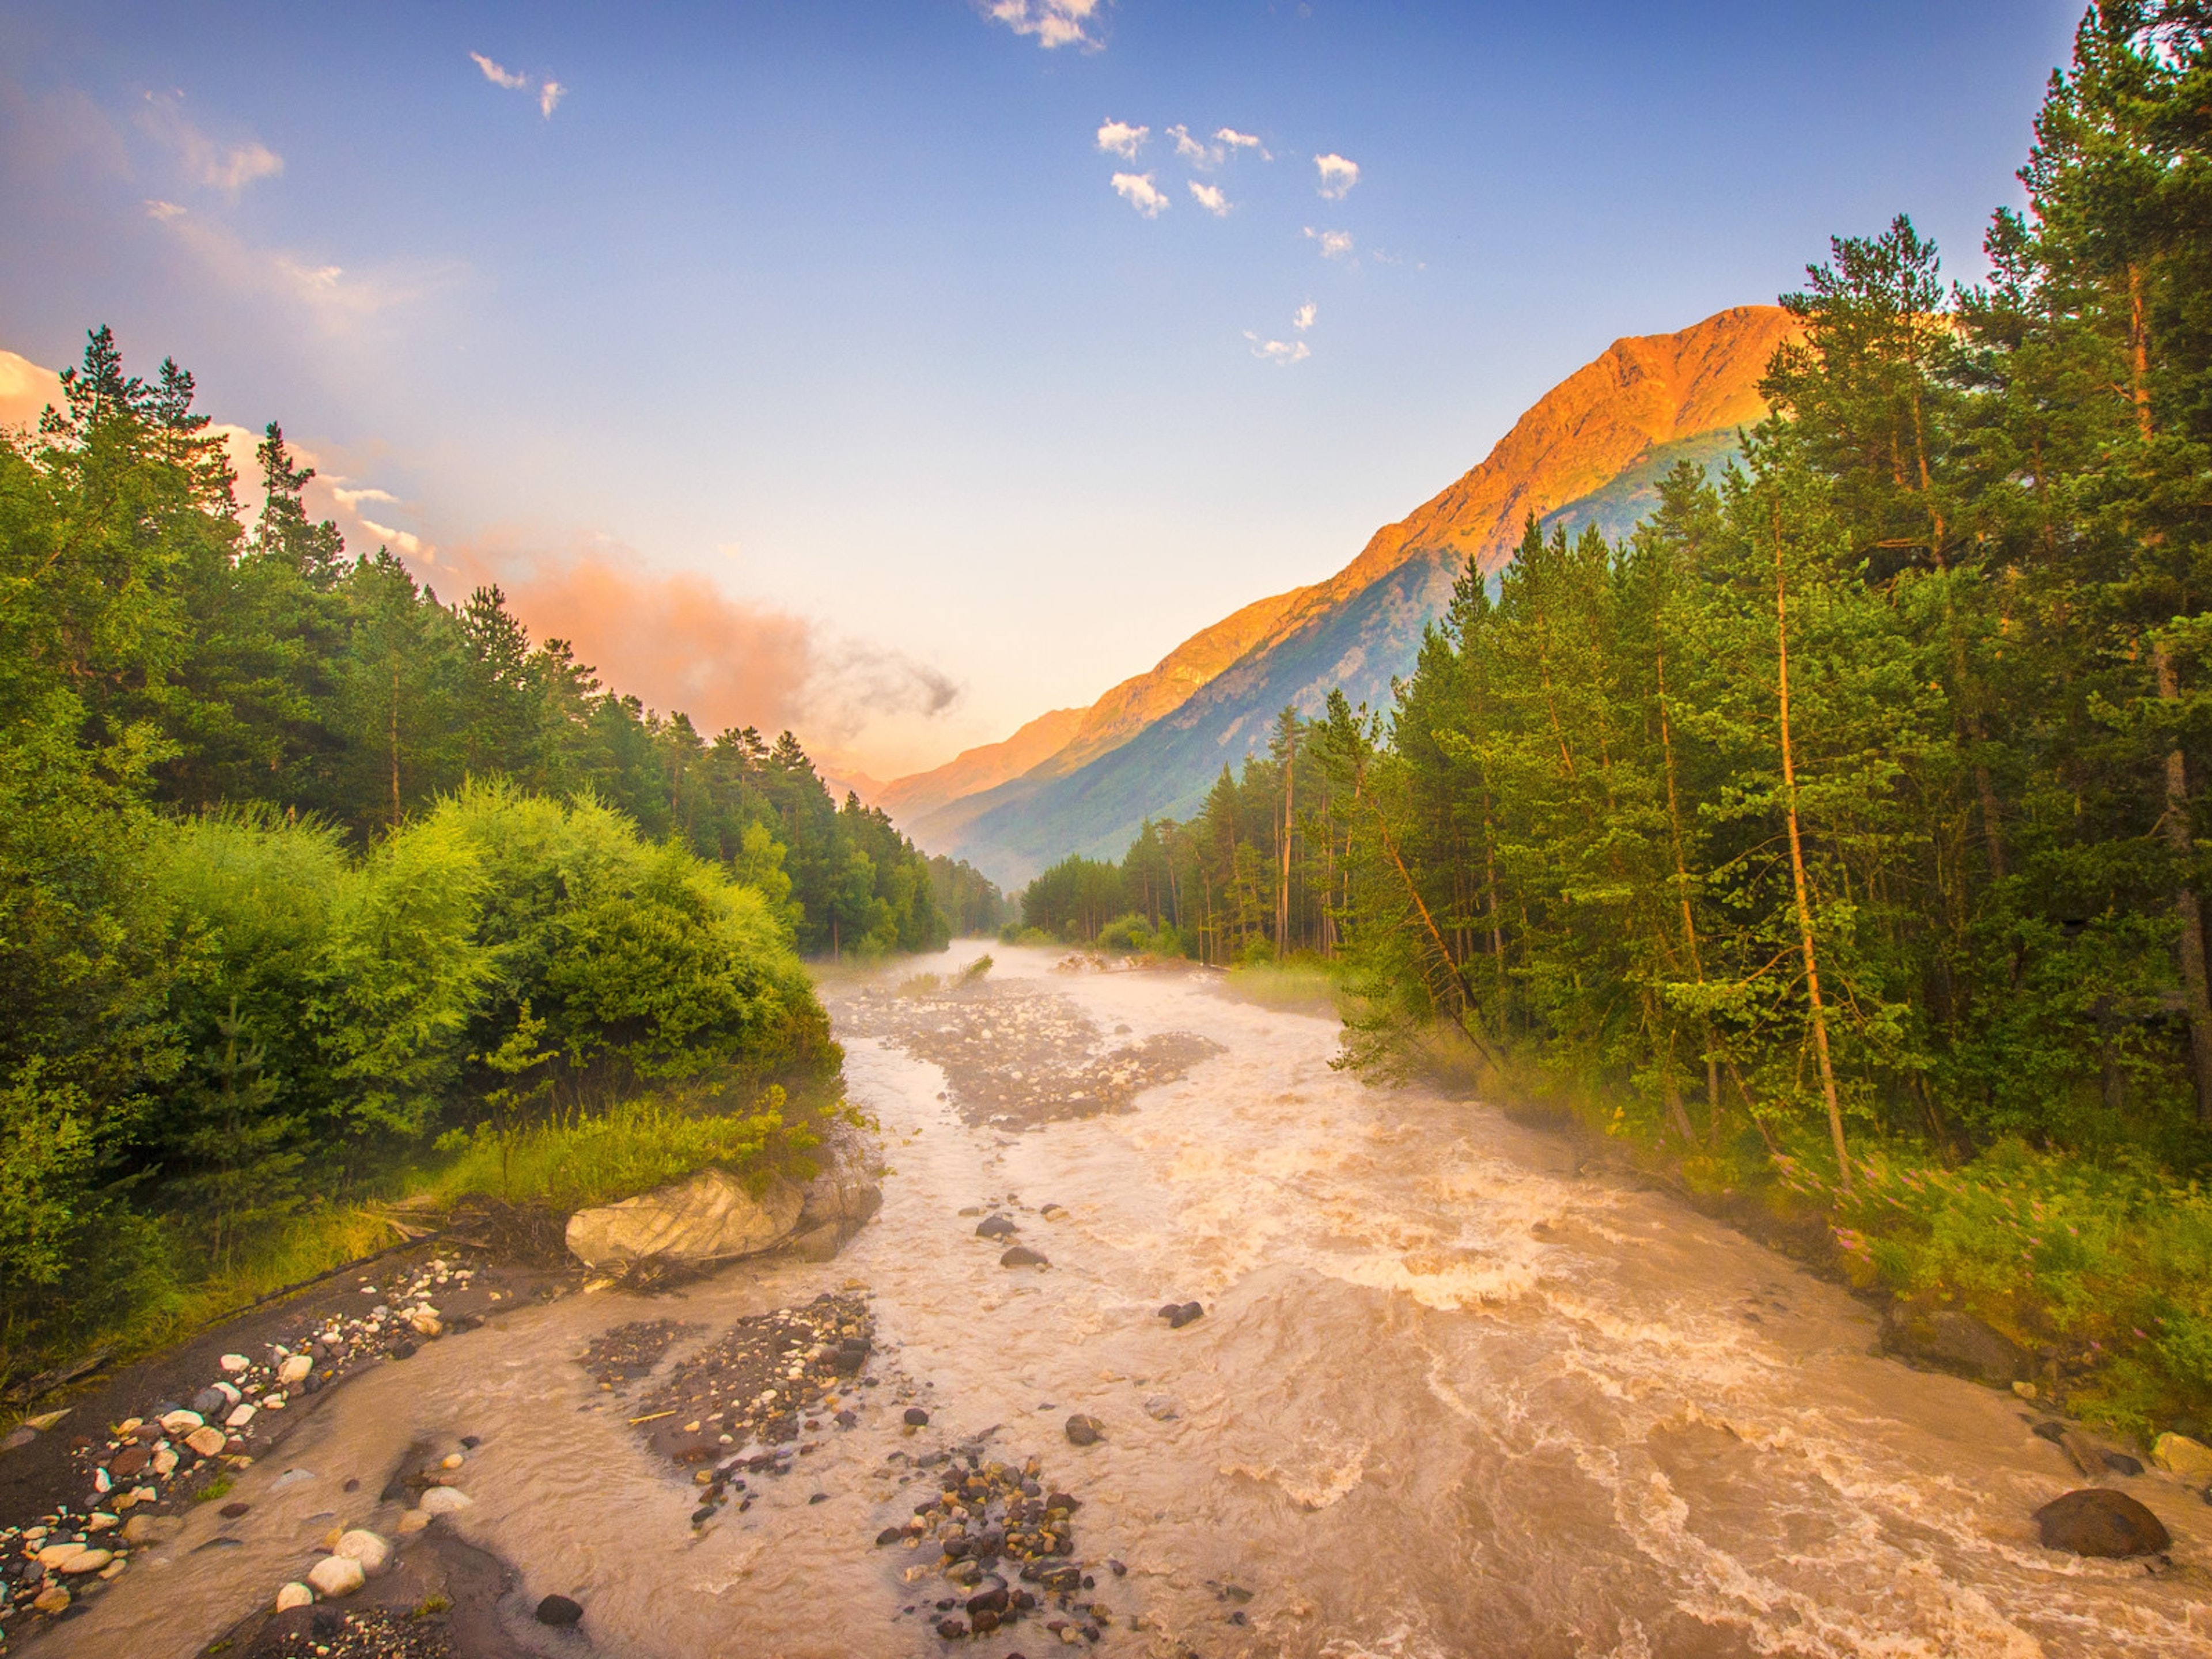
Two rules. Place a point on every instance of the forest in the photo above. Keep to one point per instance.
(1841, 830)
(309, 879)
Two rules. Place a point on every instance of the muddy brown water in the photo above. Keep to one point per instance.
(1448, 1397)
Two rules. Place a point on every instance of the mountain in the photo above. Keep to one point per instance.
(912, 799)
(1591, 450)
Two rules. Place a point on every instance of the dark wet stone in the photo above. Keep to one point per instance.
(1119, 1571)
(952, 1629)
(220, 1544)
(1060, 1500)
(2121, 1463)
(2047, 1429)
(560, 1611)
(1180, 1314)
(211, 1402)
(916, 1417)
(703, 1515)
(232, 1510)
(846, 1419)
(991, 1596)
(819, 1498)
(403, 1349)
(891, 1535)
(851, 1355)
(469, 1443)
(1022, 1256)
(1956, 1342)
(1085, 1430)
(997, 1226)
(2097, 1521)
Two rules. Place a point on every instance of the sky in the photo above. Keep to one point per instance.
(895, 372)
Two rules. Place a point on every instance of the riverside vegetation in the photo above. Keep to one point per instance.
(315, 890)
(1839, 836)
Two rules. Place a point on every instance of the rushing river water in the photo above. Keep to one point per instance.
(1448, 1397)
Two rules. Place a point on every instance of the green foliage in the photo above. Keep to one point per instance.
(301, 867)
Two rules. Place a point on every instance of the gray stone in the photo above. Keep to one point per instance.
(1022, 1256)
(1951, 1341)
(711, 1217)
(1085, 1430)
(2098, 1520)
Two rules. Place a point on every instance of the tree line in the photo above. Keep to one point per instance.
(302, 868)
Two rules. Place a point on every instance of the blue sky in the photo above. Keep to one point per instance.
(805, 362)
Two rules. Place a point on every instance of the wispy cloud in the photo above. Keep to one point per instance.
(1210, 198)
(336, 298)
(1302, 318)
(1236, 140)
(353, 497)
(1119, 138)
(550, 91)
(511, 80)
(1334, 244)
(229, 167)
(1281, 353)
(1338, 176)
(1198, 153)
(1052, 22)
(1137, 191)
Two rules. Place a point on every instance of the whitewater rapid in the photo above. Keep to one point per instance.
(1449, 1396)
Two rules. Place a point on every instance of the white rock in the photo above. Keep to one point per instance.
(235, 1362)
(87, 1561)
(206, 1442)
(366, 1547)
(54, 1555)
(165, 1460)
(294, 1370)
(708, 1218)
(239, 1416)
(229, 1391)
(182, 1422)
(414, 1520)
(444, 1500)
(336, 1575)
(293, 1595)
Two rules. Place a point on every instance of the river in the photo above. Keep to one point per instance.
(1449, 1395)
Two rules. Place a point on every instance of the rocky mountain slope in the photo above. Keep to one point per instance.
(1592, 449)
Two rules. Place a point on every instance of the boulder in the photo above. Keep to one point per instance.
(562, 1612)
(295, 1369)
(709, 1218)
(336, 1575)
(2176, 1454)
(2098, 1520)
(841, 1198)
(368, 1548)
(1951, 1341)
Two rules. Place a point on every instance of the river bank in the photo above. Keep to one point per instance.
(1448, 1391)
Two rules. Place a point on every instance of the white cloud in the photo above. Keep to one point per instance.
(1210, 198)
(355, 497)
(1236, 140)
(1137, 189)
(1338, 176)
(406, 541)
(548, 96)
(1302, 318)
(227, 167)
(1334, 244)
(1191, 151)
(336, 298)
(1053, 23)
(1281, 353)
(498, 76)
(1119, 138)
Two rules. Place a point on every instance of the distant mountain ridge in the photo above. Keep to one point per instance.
(1590, 450)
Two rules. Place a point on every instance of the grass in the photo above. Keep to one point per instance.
(1304, 985)
(575, 1161)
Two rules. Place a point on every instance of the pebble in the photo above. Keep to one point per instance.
(413, 1521)
(1180, 1314)
(235, 1362)
(997, 1226)
(293, 1595)
(444, 1500)
(916, 1417)
(560, 1612)
(1085, 1430)
(1022, 1256)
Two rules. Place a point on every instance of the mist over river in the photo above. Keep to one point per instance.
(1448, 1396)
